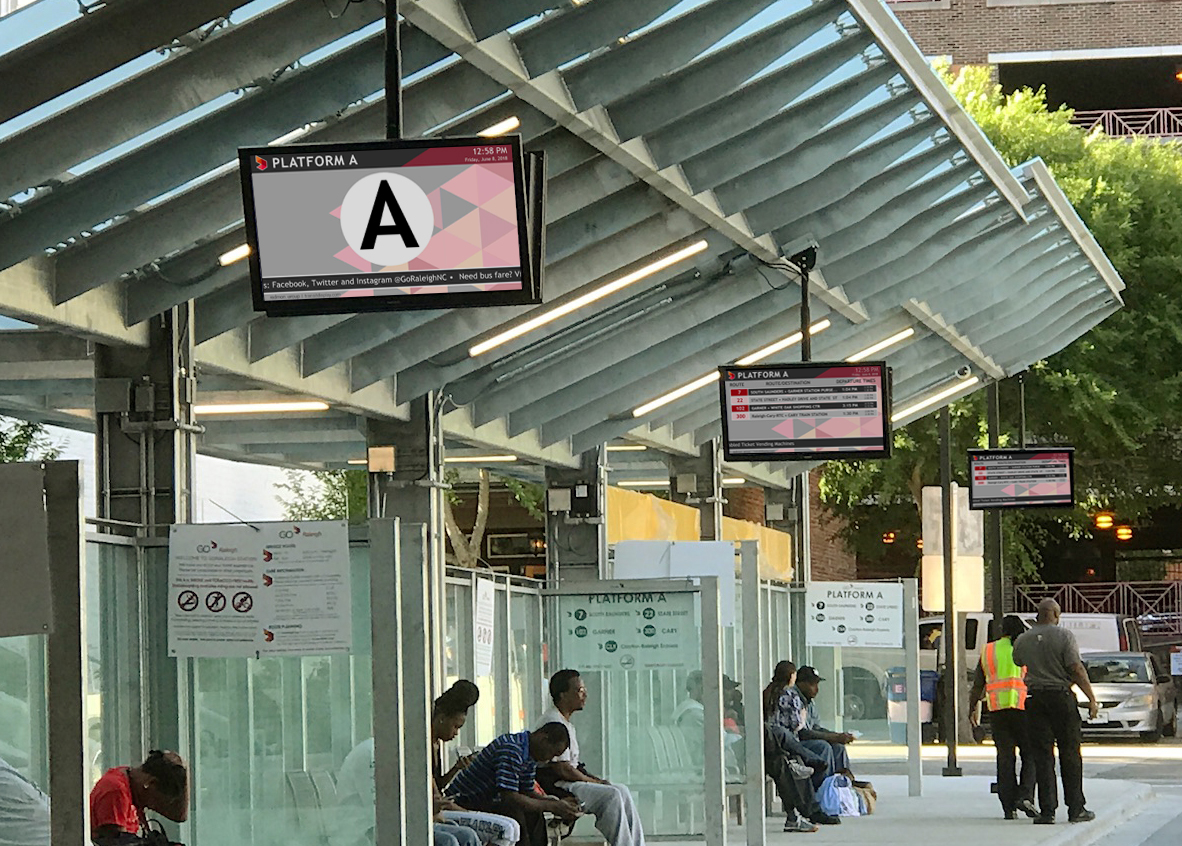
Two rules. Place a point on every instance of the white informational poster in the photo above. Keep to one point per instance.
(655, 630)
(1176, 663)
(854, 614)
(237, 591)
(484, 626)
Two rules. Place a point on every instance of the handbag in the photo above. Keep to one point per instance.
(867, 796)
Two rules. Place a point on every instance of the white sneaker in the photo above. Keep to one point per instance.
(800, 825)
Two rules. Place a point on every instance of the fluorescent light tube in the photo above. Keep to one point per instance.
(886, 343)
(586, 299)
(479, 459)
(237, 254)
(260, 407)
(950, 391)
(502, 128)
(709, 378)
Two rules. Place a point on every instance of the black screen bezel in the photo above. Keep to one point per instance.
(529, 294)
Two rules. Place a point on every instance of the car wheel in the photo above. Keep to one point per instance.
(1155, 735)
(855, 707)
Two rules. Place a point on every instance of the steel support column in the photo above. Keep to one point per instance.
(412, 494)
(697, 482)
(576, 539)
(145, 456)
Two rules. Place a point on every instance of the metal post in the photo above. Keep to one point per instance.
(416, 682)
(1022, 410)
(715, 781)
(806, 316)
(385, 602)
(66, 655)
(911, 650)
(950, 634)
(993, 534)
(393, 73)
(753, 664)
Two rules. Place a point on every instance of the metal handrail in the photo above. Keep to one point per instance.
(1125, 123)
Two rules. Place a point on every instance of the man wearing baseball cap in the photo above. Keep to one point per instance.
(798, 715)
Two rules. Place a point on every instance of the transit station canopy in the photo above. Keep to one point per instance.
(716, 137)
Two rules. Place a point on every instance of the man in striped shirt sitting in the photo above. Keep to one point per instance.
(501, 780)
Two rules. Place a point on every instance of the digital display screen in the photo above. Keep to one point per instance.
(387, 225)
(1022, 478)
(806, 411)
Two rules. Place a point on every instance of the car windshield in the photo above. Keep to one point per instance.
(1110, 670)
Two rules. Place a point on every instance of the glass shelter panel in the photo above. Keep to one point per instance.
(644, 728)
(267, 740)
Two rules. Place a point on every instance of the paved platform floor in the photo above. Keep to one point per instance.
(962, 812)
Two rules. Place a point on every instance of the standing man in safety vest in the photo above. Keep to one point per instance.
(999, 681)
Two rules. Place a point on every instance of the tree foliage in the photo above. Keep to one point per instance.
(21, 440)
(1115, 393)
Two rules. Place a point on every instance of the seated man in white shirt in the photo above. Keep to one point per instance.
(615, 811)
(24, 810)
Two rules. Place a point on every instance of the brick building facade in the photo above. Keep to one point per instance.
(831, 561)
(988, 31)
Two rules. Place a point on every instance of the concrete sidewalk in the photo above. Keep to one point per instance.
(963, 812)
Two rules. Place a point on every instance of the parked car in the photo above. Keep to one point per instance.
(1137, 699)
(864, 671)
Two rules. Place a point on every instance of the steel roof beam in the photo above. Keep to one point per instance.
(776, 137)
(875, 179)
(826, 184)
(565, 279)
(615, 347)
(622, 69)
(287, 428)
(498, 57)
(166, 162)
(494, 438)
(723, 80)
(233, 57)
(581, 30)
(362, 333)
(93, 44)
(706, 126)
(886, 252)
(26, 293)
(617, 390)
(227, 354)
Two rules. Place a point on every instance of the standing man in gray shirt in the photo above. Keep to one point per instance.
(1051, 658)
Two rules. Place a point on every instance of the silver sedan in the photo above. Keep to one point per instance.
(1136, 698)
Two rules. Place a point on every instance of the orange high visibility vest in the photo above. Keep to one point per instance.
(1005, 687)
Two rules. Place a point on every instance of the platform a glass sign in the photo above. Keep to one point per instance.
(387, 225)
(1022, 478)
(806, 411)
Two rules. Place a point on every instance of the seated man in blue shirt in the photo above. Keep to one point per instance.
(501, 780)
(796, 713)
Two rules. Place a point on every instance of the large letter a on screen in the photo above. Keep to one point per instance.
(385, 201)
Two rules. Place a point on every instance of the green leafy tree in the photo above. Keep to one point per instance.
(324, 495)
(21, 440)
(1115, 393)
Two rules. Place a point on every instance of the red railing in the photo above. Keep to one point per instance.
(1156, 605)
(1148, 123)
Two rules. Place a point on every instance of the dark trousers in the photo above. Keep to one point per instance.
(1052, 719)
(795, 793)
(533, 824)
(1009, 737)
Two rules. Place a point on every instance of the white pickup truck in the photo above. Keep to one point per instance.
(864, 671)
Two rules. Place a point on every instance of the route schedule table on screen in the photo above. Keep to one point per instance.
(1021, 478)
(800, 410)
